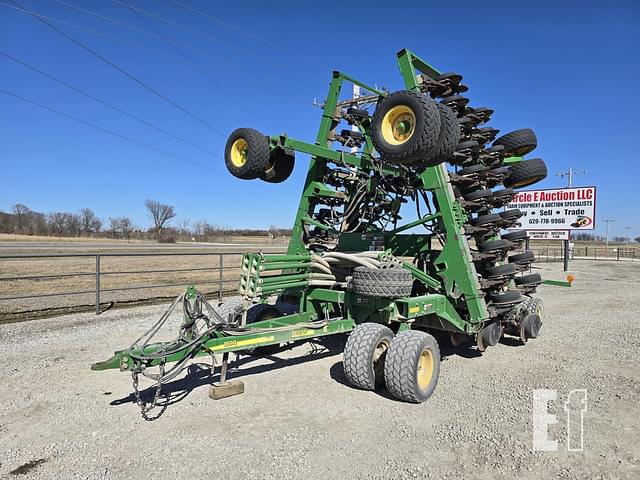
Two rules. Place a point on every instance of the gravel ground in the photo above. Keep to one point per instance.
(59, 420)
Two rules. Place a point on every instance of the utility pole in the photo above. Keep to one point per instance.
(569, 174)
(607, 221)
(626, 235)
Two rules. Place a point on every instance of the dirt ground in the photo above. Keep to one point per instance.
(299, 419)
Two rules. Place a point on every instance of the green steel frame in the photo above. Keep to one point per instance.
(454, 303)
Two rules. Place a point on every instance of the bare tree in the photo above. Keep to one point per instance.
(89, 222)
(122, 225)
(57, 223)
(21, 214)
(160, 213)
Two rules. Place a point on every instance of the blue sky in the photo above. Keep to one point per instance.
(565, 69)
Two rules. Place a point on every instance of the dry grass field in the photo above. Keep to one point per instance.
(76, 272)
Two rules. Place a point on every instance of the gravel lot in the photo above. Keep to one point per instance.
(302, 421)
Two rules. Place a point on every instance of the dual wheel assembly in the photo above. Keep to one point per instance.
(407, 363)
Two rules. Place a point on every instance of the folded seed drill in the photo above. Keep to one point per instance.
(352, 265)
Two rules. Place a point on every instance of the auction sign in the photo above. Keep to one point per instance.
(557, 209)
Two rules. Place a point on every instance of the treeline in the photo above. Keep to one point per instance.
(85, 223)
(592, 237)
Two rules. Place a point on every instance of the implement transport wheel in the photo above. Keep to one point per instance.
(405, 127)
(447, 141)
(280, 166)
(246, 153)
(525, 173)
(412, 366)
(382, 282)
(518, 142)
(364, 355)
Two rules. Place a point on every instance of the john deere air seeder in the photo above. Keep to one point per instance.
(354, 264)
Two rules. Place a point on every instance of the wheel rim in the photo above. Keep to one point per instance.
(425, 369)
(378, 354)
(239, 152)
(398, 125)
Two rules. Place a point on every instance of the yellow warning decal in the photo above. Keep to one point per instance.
(243, 343)
(414, 309)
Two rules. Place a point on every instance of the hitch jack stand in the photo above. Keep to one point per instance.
(224, 389)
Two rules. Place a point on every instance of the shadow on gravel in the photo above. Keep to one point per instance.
(199, 374)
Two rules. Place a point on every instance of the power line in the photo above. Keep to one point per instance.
(232, 27)
(201, 34)
(107, 104)
(187, 29)
(174, 47)
(127, 74)
(105, 130)
(93, 32)
(157, 34)
(217, 20)
(141, 47)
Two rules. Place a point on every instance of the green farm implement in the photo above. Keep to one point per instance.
(353, 265)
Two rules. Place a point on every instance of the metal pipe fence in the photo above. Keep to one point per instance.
(583, 252)
(215, 274)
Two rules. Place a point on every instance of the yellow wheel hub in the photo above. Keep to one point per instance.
(239, 152)
(398, 125)
(425, 369)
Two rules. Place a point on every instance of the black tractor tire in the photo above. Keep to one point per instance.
(508, 297)
(525, 173)
(490, 219)
(493, 246)
(498, 271)
(472, 169)
(531, 325)
(364, 355)
(229, 310)
(518, 143)
(478, 195)
(503, 192)
(455, 101)
(246, 153)
(528, 280)
(423, 117)
(511, 214)
(257, 313)
(280, 166)
(412, 366)
(522, 258)
(381, 282)
(467, 145)
(447, 141)
(261, 311)
(517, 236)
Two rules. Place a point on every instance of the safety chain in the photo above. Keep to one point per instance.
(144, 407)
